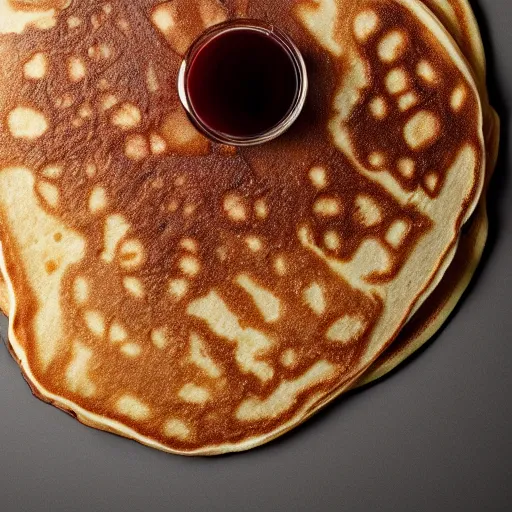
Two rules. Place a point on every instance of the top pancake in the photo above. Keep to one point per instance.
(203, 299)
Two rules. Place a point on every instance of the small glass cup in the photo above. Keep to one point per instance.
(295, 107)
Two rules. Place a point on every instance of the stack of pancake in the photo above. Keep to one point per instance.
(202, 298)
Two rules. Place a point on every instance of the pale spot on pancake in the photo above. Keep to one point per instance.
(26, 123)
(199, 356)
(332, 240)
(133, 408)
(176, 429)
(318, 177)
(378, 107)
(159, 338)
(74, 22)
(397, 232)
(90, 170)
(431, 181)
(286, 394)
(280, 266)
(235, 207)
(190, 265)
(17, 15)
(117, 333)
(314, 297)
(267, 303)
(163, 17)
(211, 12)
(77, 373)
(181, 136)
(116, 228)
(251, 344)
(97, 199)
(76, 69)
(80, 290)
(261, 209)
(107, 9)
(194, 394)
(151, 79)
(397, 81)
(376, 159)
(96, 21)
(99, 51)
(407, 101)
(124, 26)
(157, 144)
(320, 19)
(458, 97)
(131, 349)
(189, 244)
(391, 46)
(136, 147)
(365, 24)
(425, 71)
(173, 206)
(49, 192)
(77, 122)
(254, 243)
(85, 111)
(327, 207)
(346, 329)
(367, 212)
(127, 116)
(178, 288)
(180, 181)
(65, 101)
(288, 358)
(37, 67)
(189, 210)
(108, 101)
(406, 167)
(95, 322)
(52, 171)
(422, 129)
(158, 183)
(134, 287)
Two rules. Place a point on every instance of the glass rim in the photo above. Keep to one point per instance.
(289, 46)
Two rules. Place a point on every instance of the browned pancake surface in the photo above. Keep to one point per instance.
(200, 311)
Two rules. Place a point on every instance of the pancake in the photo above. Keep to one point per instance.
(434, 312)
(202, 299)
(4, 298)
(458, 18)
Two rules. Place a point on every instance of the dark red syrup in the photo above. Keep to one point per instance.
(242, 83)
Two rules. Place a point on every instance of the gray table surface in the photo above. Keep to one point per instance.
(436, 435)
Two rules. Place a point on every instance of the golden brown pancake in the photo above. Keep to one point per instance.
(202, 299)
(458, 18)
(440, 304)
